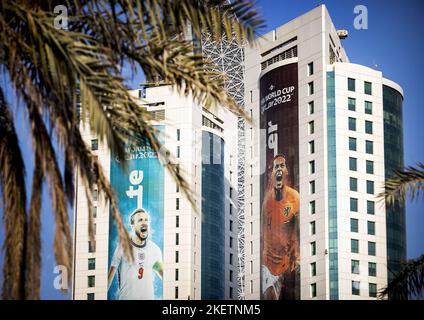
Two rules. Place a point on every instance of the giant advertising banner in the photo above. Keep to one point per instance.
(280, 245)
(139, 188)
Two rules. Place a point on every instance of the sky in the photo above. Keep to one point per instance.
(393, 42)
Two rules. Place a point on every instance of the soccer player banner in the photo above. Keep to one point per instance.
(280, 244)
(140, 192)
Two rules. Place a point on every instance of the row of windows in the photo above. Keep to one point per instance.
(368, 125)
(353, 165)
(372, 268)
(353, 185)
(369, 145)
(351, 105)
(354, 247)
(354, 206)
(312, 187)
(372, 289)
(354, 226)
(351, 86)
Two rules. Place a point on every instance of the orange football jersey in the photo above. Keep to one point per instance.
(280, 231)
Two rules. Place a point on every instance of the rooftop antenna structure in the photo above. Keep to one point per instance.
(343, 34)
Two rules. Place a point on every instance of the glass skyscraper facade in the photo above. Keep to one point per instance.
(393, 160)
(213, 214)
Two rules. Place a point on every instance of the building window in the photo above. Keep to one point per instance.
(368, 107)
(176, 274)
(231, 242)
(94, 211)
(355, 288)
(310, 68)
(354, 266)
(231, 258)
(351, 84)
(372, 269)
(178, 151)
(367, 87)
(353, 204)
(176, 292)
(312, 187)
(370, 167)
(370, 207)
(231, 275)
(90, 296)
(351, 103)
(311, 127)
(312, 167)
(251, 286)
(313, 246)
(313, 269)
(369, 147)
(312, 229)
(231, 292)
(177, 221)
(91, 281)
(352, 124)
(353, 184)
(177, 256)
(354, 245)
(177, 239)
(352, 144)
(313, 290)
(95, 194)
(91, 246)
(368, 127)
(312, 207)
(311, 147)
(353, 225)
(372, 288)
(311, 88)
(370, 187)
(95, 144)
(178, 135)
(91, 263)
(371, 228)
(311, 107)
(177, 204)
(231, 225)
(353, 164)
(371, 248)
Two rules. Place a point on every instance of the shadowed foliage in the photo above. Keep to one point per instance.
(410, 279)
(49, 68)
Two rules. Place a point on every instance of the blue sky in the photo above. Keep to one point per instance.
(393, 41)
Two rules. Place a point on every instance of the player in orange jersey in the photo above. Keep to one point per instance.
(280, 236)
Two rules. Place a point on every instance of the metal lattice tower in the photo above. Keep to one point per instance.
(228, 57)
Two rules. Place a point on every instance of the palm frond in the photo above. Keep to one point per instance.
(47, 66)
(33, 258)
(409, 181)
(409, 281)
(12, 185)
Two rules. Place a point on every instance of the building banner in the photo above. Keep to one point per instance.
(280, 245)
(139, 189)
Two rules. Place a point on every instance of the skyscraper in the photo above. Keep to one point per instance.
(286, 207)
(330, 132)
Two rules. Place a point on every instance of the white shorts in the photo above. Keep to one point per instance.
(269, 280)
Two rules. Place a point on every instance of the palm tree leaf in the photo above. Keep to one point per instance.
(410, 280)
(33, 258)
(408, 181)
(12, 185)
